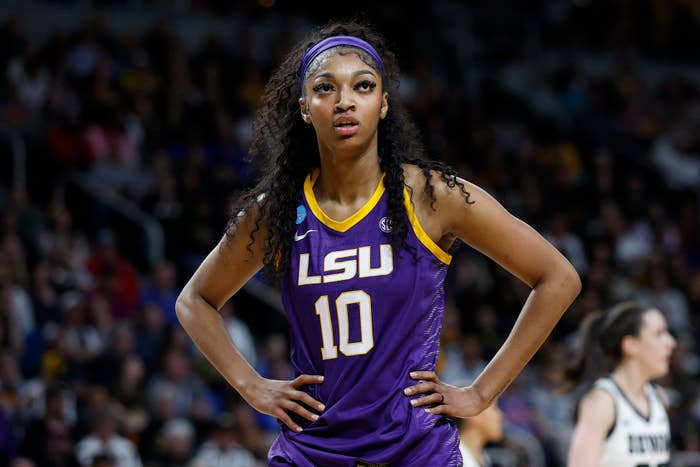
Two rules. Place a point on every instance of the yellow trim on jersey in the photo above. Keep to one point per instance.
(345, 225)
(420, 233)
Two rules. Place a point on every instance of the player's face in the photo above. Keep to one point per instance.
(493, 423)
(489, 423)
(655, 344)
(344, 102)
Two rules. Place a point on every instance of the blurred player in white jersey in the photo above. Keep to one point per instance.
(622, 420)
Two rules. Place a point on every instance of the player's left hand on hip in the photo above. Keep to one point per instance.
(441, 398)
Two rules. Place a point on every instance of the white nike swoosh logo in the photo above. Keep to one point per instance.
(298, 237)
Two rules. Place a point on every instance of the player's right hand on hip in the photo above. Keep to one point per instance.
(278, 398)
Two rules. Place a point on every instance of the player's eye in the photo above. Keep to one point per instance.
(323, 87)
(365, 85)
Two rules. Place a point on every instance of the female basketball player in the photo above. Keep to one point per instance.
(622, 420)
(357, 228)
(476, 432)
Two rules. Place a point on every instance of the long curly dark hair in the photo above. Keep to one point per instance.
(289, 151)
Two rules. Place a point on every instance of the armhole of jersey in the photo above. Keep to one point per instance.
(614, 424)
(422, 236)
(614, 400)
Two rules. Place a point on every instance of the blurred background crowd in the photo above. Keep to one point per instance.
(124, 127)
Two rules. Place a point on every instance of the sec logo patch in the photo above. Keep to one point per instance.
(385, 224)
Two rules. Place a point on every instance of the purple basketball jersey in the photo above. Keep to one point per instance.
(364, 316)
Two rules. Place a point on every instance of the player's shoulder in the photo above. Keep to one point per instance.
(598, 397)
(598, 400)
(412, 175)
(597, 409)
(444, 186)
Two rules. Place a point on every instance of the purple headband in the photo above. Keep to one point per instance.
(336, 41)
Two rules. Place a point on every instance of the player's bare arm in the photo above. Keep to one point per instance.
(486, 225)
(225, 270)
(596, 415)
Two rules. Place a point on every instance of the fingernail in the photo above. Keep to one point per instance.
(407, 391)
(321, 378)
(413, 402)
(297, 429)
(413, 374)
(427, 410)
(321, 407)
(315, 417)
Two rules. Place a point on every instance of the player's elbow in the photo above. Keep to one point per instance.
(569, 280)
(564, 279)
(191, 306)
(572, 280)
(183, 307)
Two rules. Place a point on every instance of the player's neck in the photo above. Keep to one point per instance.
(631, 380)
(348, 180)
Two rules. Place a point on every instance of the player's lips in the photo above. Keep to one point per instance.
(346, 126)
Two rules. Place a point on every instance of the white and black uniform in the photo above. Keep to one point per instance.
(468, 459)
(636, 440)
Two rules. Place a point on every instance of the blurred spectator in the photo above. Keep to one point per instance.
(48, 439)
(82, 343)
(30, 220)
(165, 205)
(674, 156)
(222, 447)
(554, 407)
(251, 436)
(163, 291)
(162, 409)
(127, 391)
(9, 443)
(518, 406)
(659, 293)
(176, 444)
(103, 439)
(150, 335)
(466, 364)
(15, 261)
(117, 279)
(63, 235)
(567, 242)
(29, 76)
(120, 343)
(176, 378)
(11, 338)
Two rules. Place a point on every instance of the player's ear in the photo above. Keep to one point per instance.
(304, 108)
(385, 105)
(629, 345)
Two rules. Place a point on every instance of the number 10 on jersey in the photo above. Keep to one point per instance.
(323, 310)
